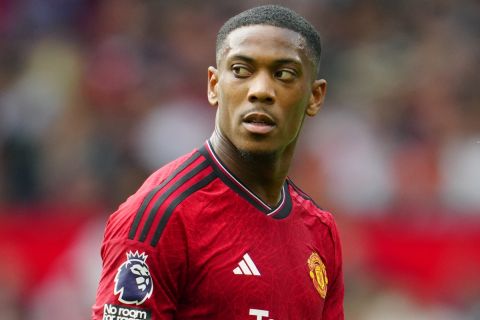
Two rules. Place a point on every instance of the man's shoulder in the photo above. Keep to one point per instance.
(157, 177)
(143, 203)
(312, 210)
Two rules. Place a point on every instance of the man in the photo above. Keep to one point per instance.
(222, 233)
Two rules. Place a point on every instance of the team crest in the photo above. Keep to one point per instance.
(318, 273)
(133, 281)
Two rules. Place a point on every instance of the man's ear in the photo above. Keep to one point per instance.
(212, 86)
(319, 89)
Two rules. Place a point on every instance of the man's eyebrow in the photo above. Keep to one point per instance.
(275, 62)
(241, 57)
(288, 61)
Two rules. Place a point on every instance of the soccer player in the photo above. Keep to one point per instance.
(222, 232)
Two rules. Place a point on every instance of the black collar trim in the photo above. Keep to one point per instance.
(282, 210)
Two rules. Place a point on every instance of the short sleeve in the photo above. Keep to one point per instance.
(141, 281)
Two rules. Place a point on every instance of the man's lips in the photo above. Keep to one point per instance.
(258, 123)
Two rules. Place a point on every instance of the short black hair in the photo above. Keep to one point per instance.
(276, 16)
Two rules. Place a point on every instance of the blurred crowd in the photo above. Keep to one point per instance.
(95, 95)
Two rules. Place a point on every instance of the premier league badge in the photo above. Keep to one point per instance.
(133, 281)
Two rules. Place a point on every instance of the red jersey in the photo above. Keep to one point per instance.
(195, 243)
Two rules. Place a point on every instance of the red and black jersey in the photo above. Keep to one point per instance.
(195, 243)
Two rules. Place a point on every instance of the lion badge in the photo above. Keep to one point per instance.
(133, 281)
(318, 273)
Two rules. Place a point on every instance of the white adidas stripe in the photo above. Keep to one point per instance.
(252, 265)
(246, 266)
(237, 270)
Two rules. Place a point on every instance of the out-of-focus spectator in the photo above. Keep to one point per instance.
(353, 160)
(154, 142)
(461, 174)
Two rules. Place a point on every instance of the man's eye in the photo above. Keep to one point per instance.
(240, 71)
(285, 75)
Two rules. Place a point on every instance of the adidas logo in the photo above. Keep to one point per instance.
(246, 267)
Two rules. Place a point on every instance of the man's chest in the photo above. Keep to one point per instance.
(257, 269)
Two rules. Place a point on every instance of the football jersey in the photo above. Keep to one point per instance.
(195, 243)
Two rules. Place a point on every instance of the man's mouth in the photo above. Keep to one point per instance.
(258, 123)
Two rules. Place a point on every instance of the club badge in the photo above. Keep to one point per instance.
(318, 273)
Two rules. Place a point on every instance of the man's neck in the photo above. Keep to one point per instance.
(263, 174)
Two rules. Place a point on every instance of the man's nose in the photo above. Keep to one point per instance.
(261, 89)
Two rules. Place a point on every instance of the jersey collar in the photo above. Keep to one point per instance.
(280, 211)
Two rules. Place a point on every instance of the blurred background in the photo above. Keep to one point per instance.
(96, 95)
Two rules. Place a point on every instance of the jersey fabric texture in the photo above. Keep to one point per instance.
(194, 243)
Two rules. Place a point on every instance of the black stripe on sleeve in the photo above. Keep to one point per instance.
(166, 194)
(141, 211)
(303, 194)
(168, 212)
(153, 192)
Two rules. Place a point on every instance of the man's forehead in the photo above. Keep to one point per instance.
(266, 38)
(265, 33)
